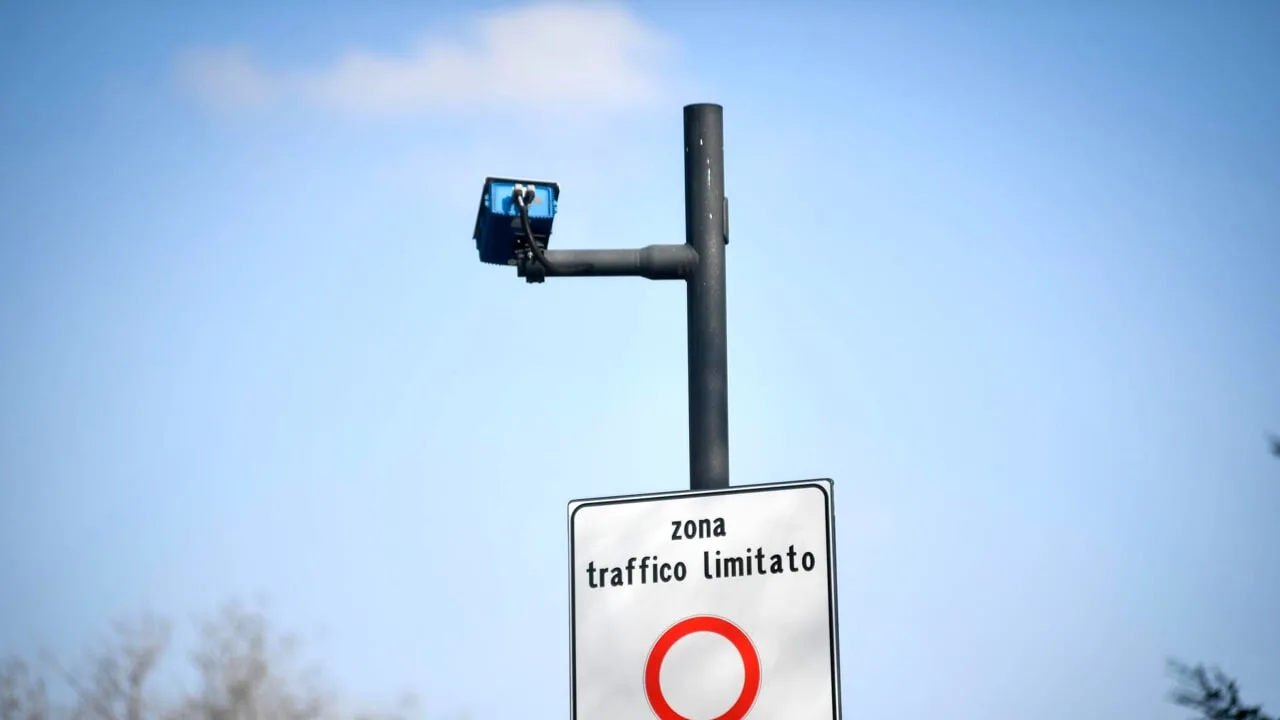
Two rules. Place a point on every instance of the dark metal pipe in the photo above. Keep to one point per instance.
(706, 231)
(656, 262)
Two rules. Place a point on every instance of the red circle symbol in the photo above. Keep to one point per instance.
(688, 626)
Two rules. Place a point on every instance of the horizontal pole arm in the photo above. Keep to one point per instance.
(655, 262)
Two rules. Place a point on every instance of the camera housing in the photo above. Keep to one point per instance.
(499, 237)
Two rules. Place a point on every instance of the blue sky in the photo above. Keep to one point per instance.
(1006, 272)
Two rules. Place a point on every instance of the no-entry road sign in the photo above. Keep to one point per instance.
(706, 605)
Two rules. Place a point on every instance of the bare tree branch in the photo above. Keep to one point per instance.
(23, 696)
(244, 671)
(1211, 693)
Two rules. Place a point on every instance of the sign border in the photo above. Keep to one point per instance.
(826, 485)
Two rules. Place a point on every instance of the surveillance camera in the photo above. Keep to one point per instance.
(500, 235)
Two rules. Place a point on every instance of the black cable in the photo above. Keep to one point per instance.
(533, 243)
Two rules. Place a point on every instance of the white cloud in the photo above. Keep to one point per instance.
(561, 55)
(225, 78)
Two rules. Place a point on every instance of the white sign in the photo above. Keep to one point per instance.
(707, 605)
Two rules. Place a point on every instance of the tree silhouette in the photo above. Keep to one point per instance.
(23, 695)
(1209, 691)
(243, 671)
(1212, 694)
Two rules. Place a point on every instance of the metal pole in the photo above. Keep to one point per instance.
(656, 262)
(706, 231)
